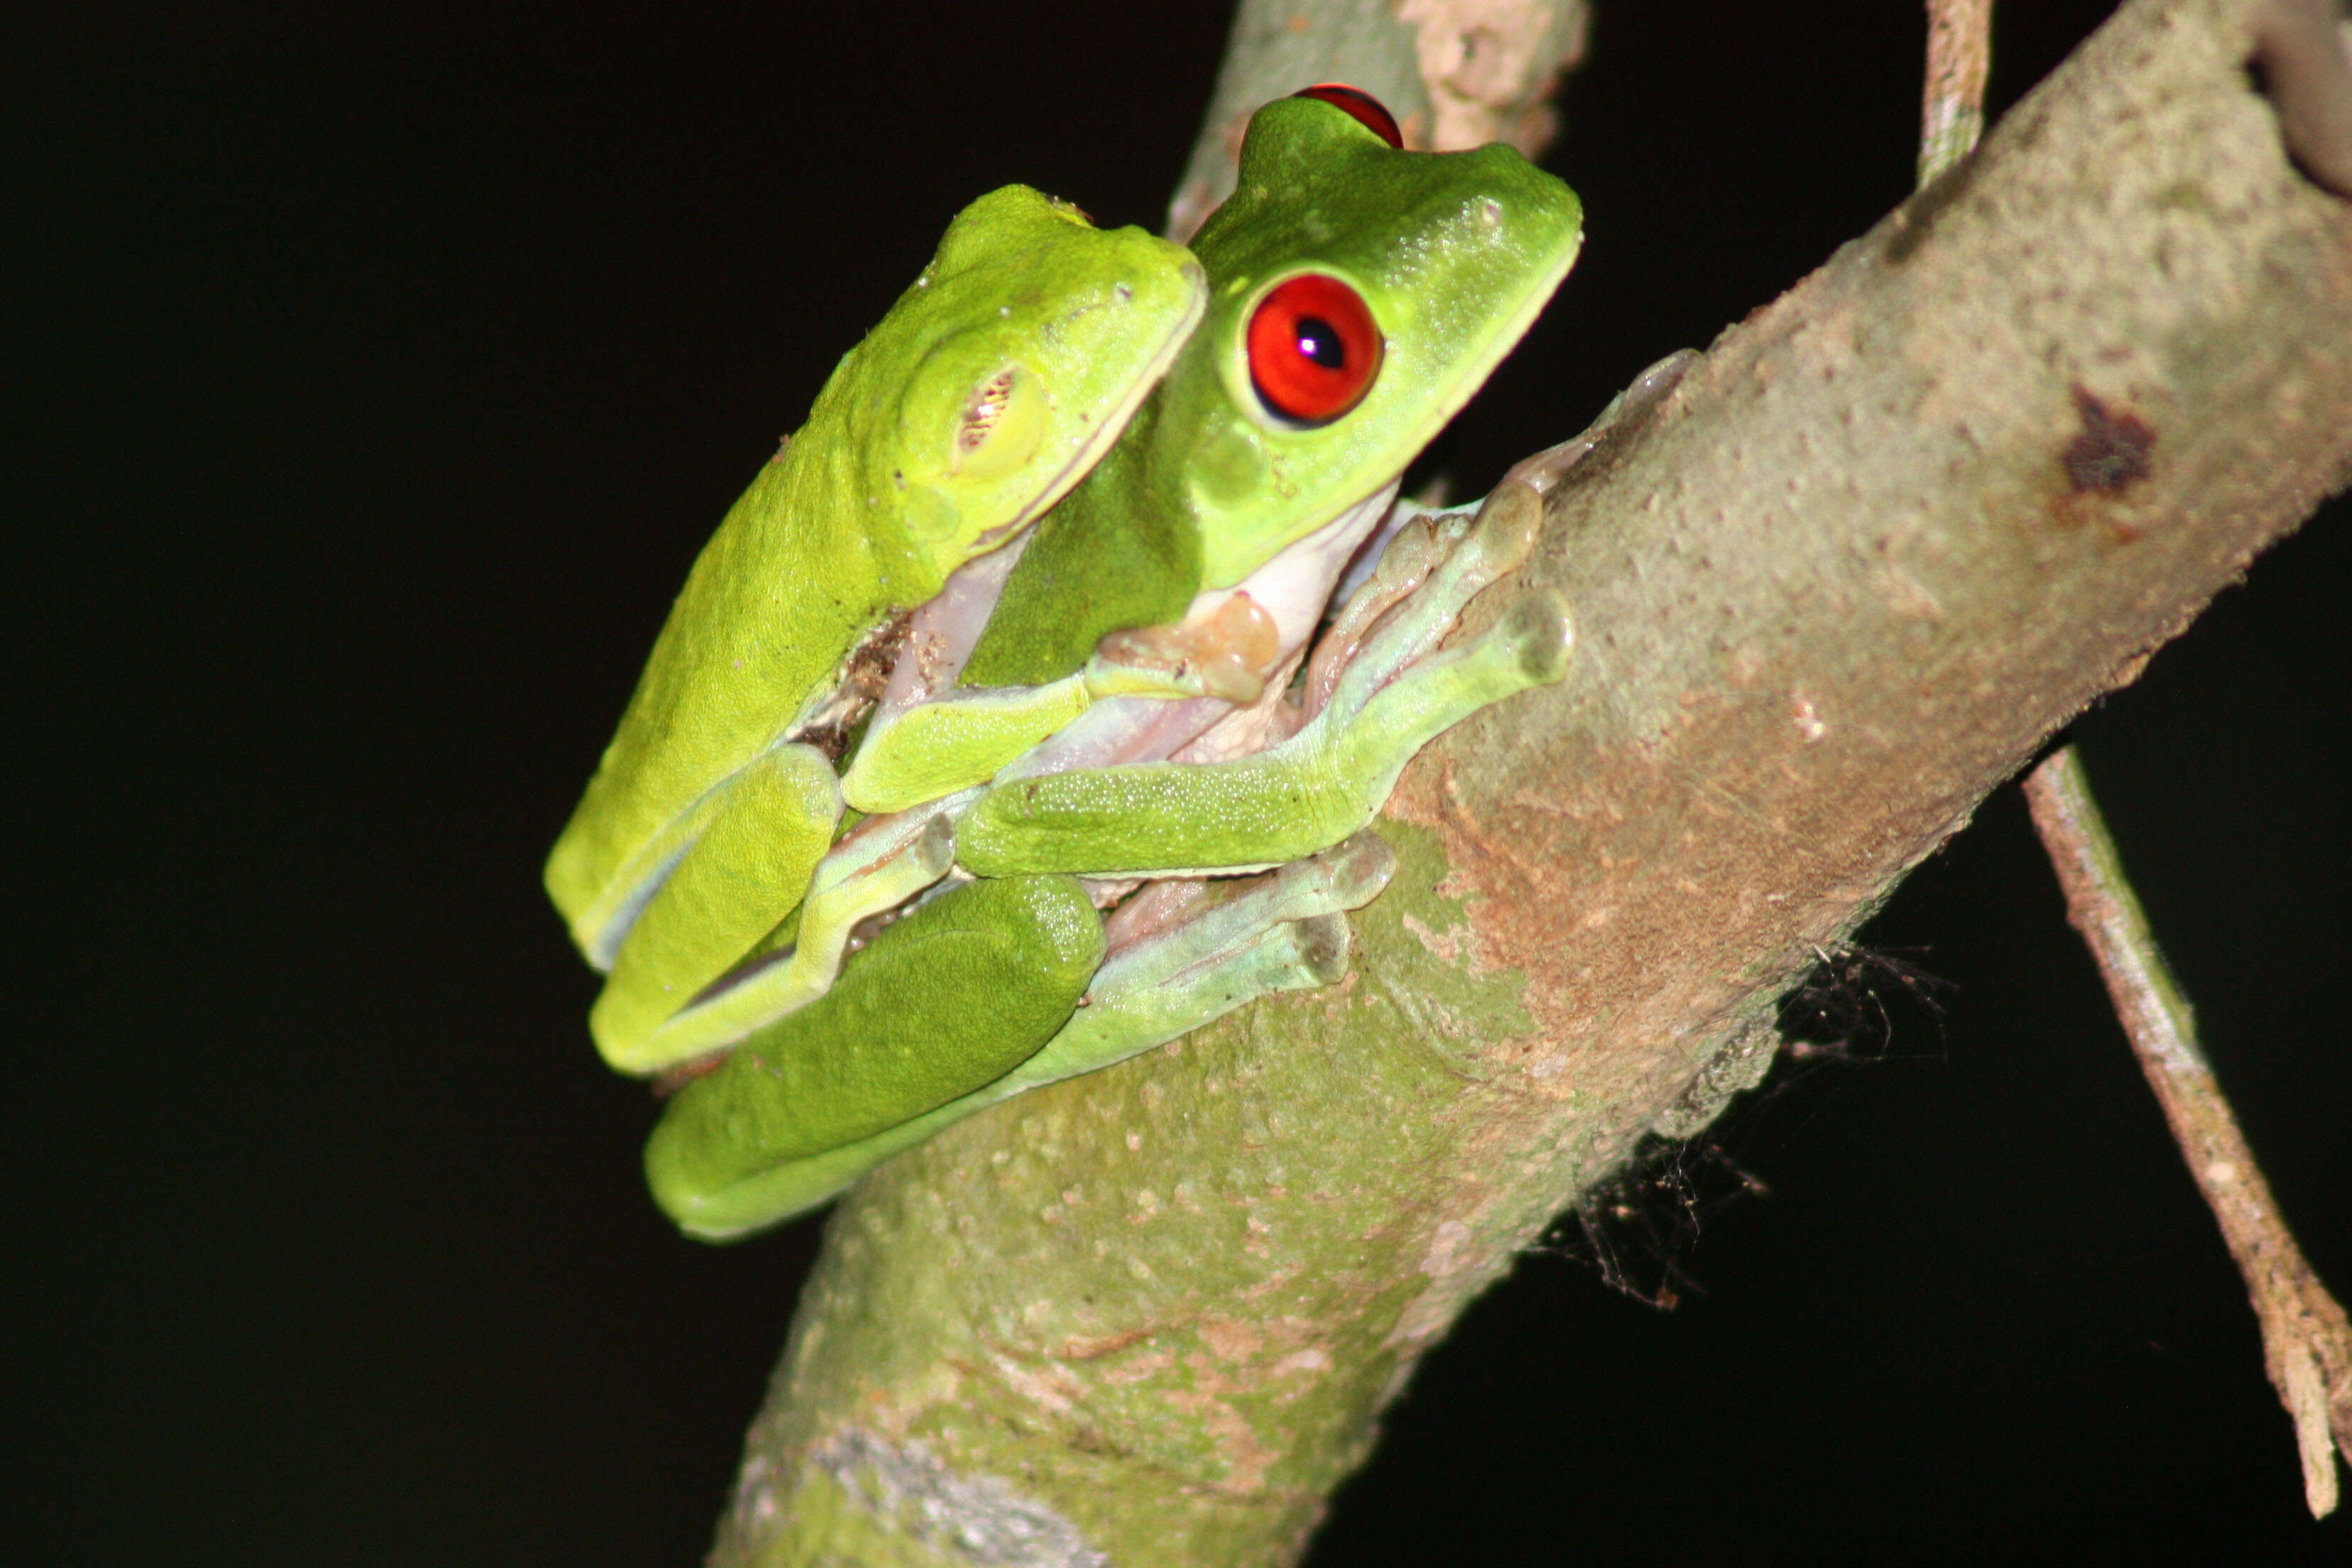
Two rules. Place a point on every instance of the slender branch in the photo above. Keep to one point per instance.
(1890, 533)
(1959, 57)
(2306, 1338)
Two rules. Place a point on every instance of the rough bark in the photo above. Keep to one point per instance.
(1893, 532)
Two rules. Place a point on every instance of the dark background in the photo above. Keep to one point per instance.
(379, 374)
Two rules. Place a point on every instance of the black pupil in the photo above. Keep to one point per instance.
(1318, 342)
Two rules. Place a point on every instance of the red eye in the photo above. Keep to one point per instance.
(1314, 349)
(1368, 110)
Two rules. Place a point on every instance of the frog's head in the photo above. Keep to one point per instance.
(1359, 295)
(1026, 345)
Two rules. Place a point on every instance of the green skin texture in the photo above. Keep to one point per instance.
(698, 832)
(1454, 254)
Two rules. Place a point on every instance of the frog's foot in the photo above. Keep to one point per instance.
(942, 1003)
(1385, 702)
(1282, 932)
(1411, 554)
(881, 865)
(1405, 613)
(1285, 931)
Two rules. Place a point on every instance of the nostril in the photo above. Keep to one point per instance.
(2303, 64)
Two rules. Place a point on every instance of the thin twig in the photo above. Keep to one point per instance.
(2306, 1338)
(1951, 109)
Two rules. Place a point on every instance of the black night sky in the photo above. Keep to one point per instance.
(379, 371)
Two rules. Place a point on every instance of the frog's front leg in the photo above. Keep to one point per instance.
(1330, 778)
(959, 738)
(736, 1150)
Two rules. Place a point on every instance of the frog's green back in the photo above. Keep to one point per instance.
(1454, 253)
(984, 393)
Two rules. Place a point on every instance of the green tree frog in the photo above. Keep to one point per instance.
(988, 389)
(1125, 681)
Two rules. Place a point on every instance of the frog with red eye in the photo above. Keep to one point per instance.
(1359, 296)
(1112, 696)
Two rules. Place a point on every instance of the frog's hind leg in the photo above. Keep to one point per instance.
(881, 865)
(744, 871)
(1281, 933)
(944, 1002)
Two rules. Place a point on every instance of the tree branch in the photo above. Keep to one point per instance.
(1894, 531)
(2306, 1340)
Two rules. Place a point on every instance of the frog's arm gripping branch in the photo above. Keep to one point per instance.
(1325, 782)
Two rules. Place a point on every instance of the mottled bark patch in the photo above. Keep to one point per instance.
(2113, 450)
